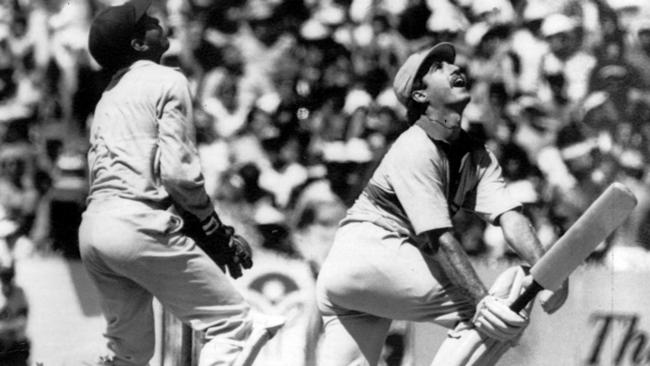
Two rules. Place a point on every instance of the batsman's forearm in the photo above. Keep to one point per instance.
(456, 265)
(521, 236)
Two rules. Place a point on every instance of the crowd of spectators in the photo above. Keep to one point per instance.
(294, 107)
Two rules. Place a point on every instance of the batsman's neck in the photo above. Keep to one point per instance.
(441, 124)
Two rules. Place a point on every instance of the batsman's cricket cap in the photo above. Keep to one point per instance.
(112, 29)
(414, 67)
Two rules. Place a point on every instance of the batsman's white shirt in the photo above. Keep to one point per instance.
(412, 188)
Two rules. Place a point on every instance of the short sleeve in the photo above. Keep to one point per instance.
(492, 198)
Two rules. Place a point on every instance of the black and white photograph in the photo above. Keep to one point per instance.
(324, 182)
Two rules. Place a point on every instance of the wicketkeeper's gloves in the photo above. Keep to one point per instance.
(228, 250)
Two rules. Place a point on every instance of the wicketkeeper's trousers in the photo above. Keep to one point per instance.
(134, 252)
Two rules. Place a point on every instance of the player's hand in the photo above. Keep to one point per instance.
(551, 301)
(242, 256)
(510, 284)
(229, 251)
(494, 319)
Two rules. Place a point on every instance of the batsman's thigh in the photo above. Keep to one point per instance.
(372, 270)
(352, 339)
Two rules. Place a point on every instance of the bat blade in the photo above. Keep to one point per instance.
(602, 217)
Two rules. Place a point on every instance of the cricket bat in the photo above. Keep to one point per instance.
(600, 219)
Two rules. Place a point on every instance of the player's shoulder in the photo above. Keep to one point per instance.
(414, 139)
(412, 147)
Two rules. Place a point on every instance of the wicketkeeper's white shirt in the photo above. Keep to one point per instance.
(143, 141)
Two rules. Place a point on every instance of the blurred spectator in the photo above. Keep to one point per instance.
(628, 11)
(588, 169)
(19, 96)
(263, 43)
(565, 69)
(18, 198)
(317, 211)
(361, 10)
(248, 145)
(536, 127)
(286, 172)
(495, 125)
(413, 20)
(615, 101)
(492, 63)
(345, 154)
(67, 199)
(222, 97)
(69, 24)
(493, 12)
(379, 125)
(447, 22)
(638, 50)
(241, 187)
(528, 44)
(14, 343)
(15, 347)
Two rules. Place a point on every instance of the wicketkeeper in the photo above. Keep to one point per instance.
(148, 214)
(395, 255)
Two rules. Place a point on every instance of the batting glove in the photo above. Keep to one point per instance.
(510, 284)
(494, 319)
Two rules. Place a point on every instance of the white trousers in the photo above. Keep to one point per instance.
(370, 277)
(134, 252)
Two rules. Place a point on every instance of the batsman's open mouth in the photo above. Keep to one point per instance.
(458, 80)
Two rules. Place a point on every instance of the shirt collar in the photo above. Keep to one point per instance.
(433, 135)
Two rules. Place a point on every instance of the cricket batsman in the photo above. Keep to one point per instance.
(395, 255)
(150, 228)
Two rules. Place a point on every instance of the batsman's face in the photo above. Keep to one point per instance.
(445, 85)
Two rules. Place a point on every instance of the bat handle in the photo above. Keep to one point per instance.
(526, 297)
